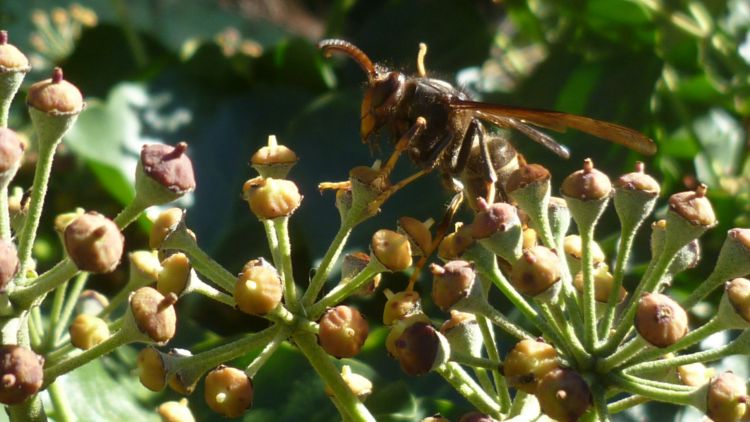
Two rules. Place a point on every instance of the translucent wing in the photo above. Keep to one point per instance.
(520, 118)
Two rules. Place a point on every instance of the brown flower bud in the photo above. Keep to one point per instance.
(694, 207)
(169, 167)
(455, 244)
(587, 184)
(151, 370)
(174, 275)
(353, 264)
(91, 302)
(526, 174)
(527, 362)
(638, 181)
(660, 320)
(175, 411)
(343, 331)
(391, 249)
(536, 271)
(164, 224)
(8, 263)
(11, 58)
(21, 371)
(273, 160)
(94, 243)
(154, 313)
(228, 391)
(563, 395)
(435, 418)
(418, 234)
(258, 290)
(727, 398)
(491, 219)
(271, 198)
(418, 348)
(55, 95)
(87, 331)
(451, 283)
(11, 149)
(401, 305)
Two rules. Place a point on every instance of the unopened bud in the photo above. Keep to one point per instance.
(228, 391)
(343, 331)
(391, 249)
(271, 198)
(527, 362)
(94, 243)
(660, 320)
(273, 160)
(154, 313)
(563, 395)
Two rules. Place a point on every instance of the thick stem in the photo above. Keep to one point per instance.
(501, 386)
(130, 213)
(5, 231)
(116, 340)
(624, 247)
(324, 269)
(63, 412)
(675, 397)
(622, 355)
(626, 404)
(266, 353)
(342, 291)
(711, 327)
(69, 307)
(590, 337)
(281, 225)
(322, 364)
(54, 277)
(705, 356)
(273, 242)
(467, 387)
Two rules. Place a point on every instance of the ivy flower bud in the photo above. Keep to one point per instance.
(529, 187)
(11, 150)
(154, 314)
(727, 398)
(175, 411)
(694, 374)
(165, 223)
(353, 264)
(418, 234)
(455, 244)
(526, 175)
(55, 96)
(660, 320)
(527, 362)
(498, 228)
(164, 173)
(358, 384)
(174, 275)
(693, 207)
(530, 238)
(398, 328)
(342, 332)
(420, 348)
(401, 305)
(87, 331)
(476, 417)
(271, 198)
(21, 374)
(8, 263)
(151, 369)
(94, 243)
(228, 391)
(573, 246)
(587, 184)
(635, 196)
(451, 283)
(273, 160)
(11, 58)
(258, 290)
(734, 308)
(463, 333)
(536, 271)
(603, 283)
(559, 217)
(563, 395)
(91, 302)
(435, 418)
(391, 249)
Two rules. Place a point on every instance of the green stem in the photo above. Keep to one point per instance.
(62, 272)
(211, 269)
(31, 410)
(568, 344)
(624, 247)
(344, 290)
(116, 340)
(579, 353)
(474, 361)
(590, 338)
(675, 397)
(600, 403)
(480, 307)
(326, 265)
(211, 293)
(130, 213)
(712, 326)
(322, 364)
(467, 387)
(69, 307)
(266, 353)
(626, 404)
(53, 357)
(714, 280)
(63, 412)
(281, 225)
(273, 243)
(54, 316)
(622, 355)
(5, 231)
(657, 384)
(705, 356)
(501, 386)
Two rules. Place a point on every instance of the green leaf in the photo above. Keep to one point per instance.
(722, 141)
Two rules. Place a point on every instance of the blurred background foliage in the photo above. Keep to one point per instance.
(222, 75)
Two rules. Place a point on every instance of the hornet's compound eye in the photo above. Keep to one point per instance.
(387, 91)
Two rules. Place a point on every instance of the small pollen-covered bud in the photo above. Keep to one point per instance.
(228, 391)
(476, 417)
(368, 179)
(694, 374)
(11, 58)
(55, 95)
(451, 283)
(353, 264)
(21, 374)
(418, 234)
(603, 283)
(536, 271)
(660, 320)
(587, 184)
(358, 384)
(563, 395)
(401, 305)
(258, 290)
(391, 249)
(174, 275)
(638, 181)
(154, 313)
(527, 362)
(727, 398)
(94, 243)
(170, 167)
(694, 207)
(525, 175)
(343, 331)
(175, 411)
(164, 224)
(273, 160)
(455, 244)
(151, 370)
(420, 348)
(8, 263)
(11, 150)
(87, 331)
(271, 198)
